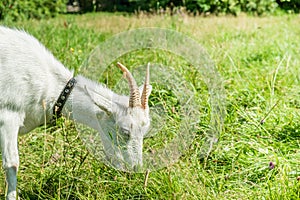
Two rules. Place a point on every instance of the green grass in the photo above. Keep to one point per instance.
(259, 61)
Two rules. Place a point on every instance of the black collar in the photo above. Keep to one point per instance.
(60, 102)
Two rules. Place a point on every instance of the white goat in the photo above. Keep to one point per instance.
(31, 83)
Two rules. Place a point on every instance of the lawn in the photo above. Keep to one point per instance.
(258, 152)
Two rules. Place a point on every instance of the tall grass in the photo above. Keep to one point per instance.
(259, 60)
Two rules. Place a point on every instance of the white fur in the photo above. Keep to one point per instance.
(31, 80)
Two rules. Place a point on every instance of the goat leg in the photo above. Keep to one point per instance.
(10, 121)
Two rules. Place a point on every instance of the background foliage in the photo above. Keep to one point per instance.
(201, 6)
(19, 9)
(13, 10)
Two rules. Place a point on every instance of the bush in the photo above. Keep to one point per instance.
(231, 6)
(195, 6)
(13, 10)
(289, 5)
(117, 5)
(258, 7)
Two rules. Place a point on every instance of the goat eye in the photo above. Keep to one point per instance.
(125, 131)
(124, 135)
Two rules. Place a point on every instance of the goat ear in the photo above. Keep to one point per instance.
(100, 101)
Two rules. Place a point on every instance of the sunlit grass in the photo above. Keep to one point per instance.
(259, 61)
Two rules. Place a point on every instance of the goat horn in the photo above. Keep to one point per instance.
(134, 98)
(146, 88)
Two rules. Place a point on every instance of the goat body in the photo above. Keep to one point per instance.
(31, 80)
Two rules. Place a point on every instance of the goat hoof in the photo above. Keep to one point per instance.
(11, 196)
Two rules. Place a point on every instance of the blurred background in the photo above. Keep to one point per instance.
(19, 9)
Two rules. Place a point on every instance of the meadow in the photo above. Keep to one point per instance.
(258, 151)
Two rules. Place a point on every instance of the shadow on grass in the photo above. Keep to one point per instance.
(43, 193)
(53, 186)
(289, 132)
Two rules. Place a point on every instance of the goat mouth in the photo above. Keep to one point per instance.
(137, 168)
(120, 160)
